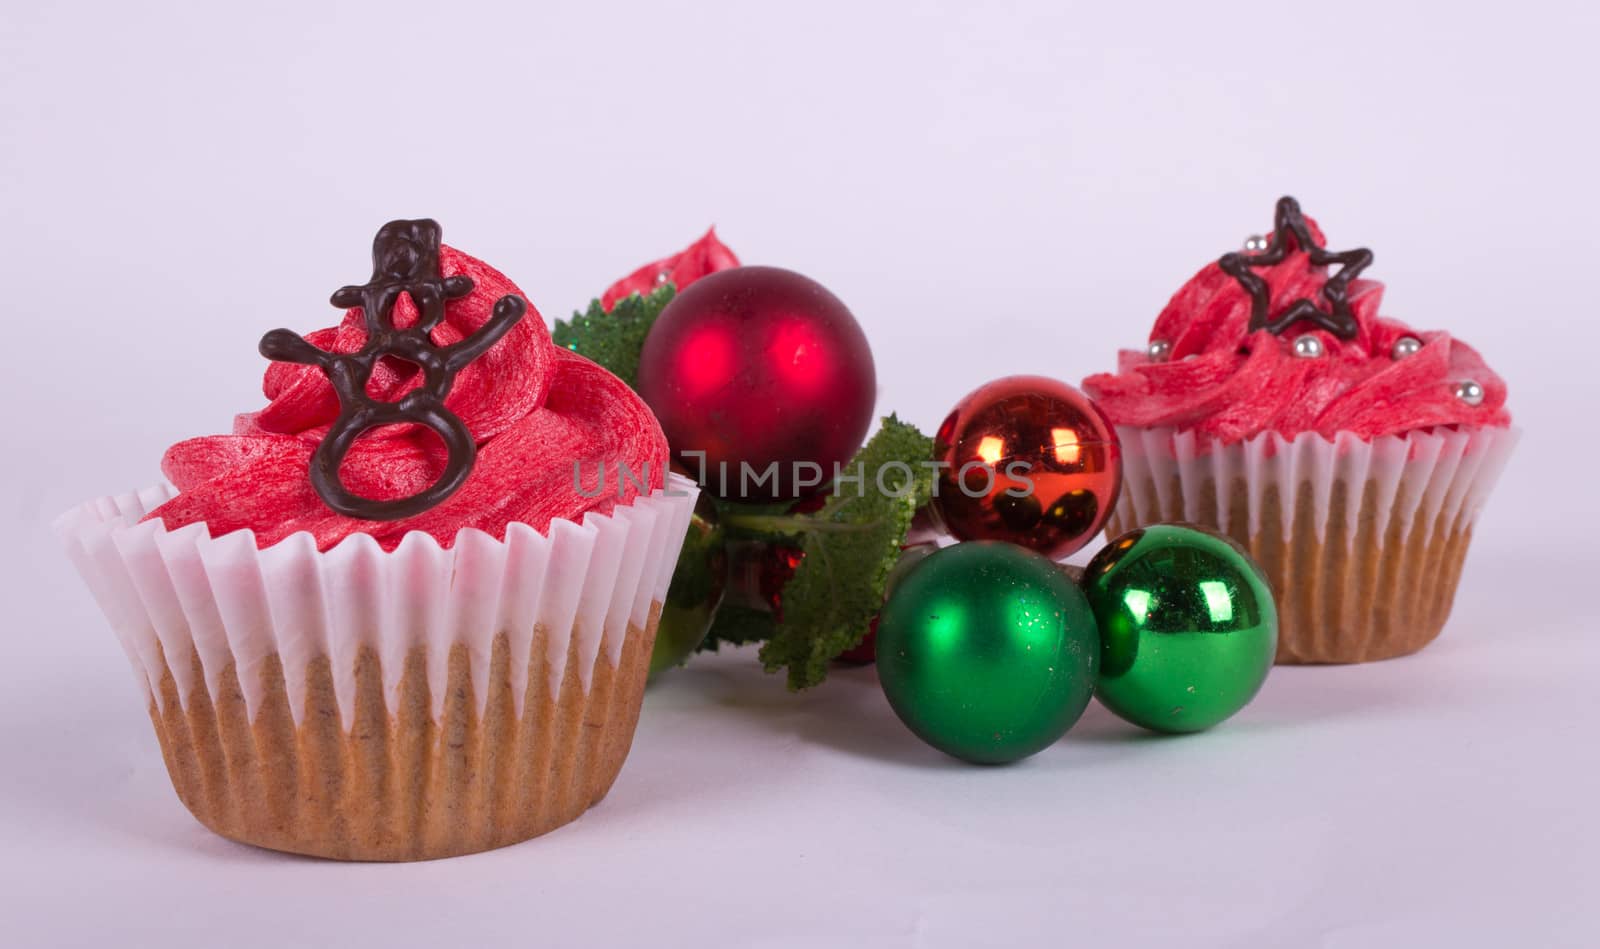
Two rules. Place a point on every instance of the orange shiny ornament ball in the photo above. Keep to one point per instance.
(1030, 460)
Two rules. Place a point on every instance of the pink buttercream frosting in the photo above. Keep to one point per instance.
(549, 425)
(1223, 381)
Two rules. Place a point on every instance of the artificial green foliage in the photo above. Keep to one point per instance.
(614, 339)
(736, 625)
(850, 546)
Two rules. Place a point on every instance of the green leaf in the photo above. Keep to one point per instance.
(850, 546)
(736, 625)
(614, 339)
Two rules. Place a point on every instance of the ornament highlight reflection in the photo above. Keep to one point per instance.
(987, 651)
(1188, 627)
(1030, 460)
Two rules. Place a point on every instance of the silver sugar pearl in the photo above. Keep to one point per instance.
(1405, 346)
(1307, 346)
(1255, 243)
(1159, 350)
(663, 276)
(1469, 392)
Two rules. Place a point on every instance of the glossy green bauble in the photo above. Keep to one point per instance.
(987, 651)
(698, 583)
(1188, 627)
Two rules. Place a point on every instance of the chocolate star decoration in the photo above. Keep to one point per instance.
(1289, 223)
(405, 259)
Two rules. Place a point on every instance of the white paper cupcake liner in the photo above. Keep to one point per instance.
(206, 619)
(1363, 538)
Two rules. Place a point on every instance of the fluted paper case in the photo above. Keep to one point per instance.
(363, 704)
(1362, 540)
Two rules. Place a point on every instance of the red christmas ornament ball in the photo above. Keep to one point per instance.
(1030, 460)
(759, 367)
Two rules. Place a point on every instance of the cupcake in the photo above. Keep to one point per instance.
(406, 609)
(1348, 452)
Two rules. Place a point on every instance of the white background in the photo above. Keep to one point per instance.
(993, 188)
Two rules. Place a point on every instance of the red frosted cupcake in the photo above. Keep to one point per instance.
(407, 613)
(1350, 453)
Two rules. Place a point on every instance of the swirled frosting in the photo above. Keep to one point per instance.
(705, 256)
(1223, 381)
(548, 425)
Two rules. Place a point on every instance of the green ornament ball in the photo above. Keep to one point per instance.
(698, 583)
(1188, 627)
(987, 651)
